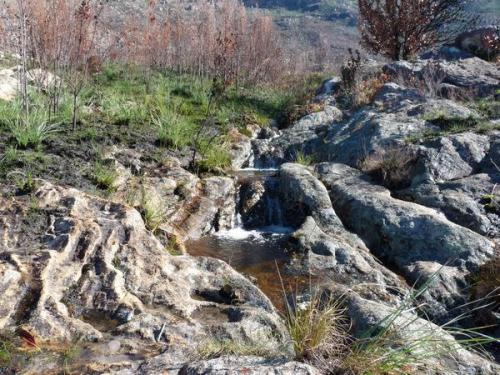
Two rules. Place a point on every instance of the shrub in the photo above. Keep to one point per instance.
(401, 29)
(349, 77)
(393, 167)
(24, 181)
(365, 91)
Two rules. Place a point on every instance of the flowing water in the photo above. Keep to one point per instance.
(256, 252)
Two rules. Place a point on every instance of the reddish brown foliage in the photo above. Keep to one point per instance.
(219, 39)
(399, 29)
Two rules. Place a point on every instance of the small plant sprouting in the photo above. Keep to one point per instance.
(153, 213)
(173, 246)
(304, 159)
(104, 176)
(24, 181)
(69, 355)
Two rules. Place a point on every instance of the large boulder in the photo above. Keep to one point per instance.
(322, 245)
(419, 241)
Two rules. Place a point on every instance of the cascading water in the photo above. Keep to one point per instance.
(255, 249)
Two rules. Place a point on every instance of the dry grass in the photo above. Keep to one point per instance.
(214, 348)
(365, 91)
(319, 331)
(486, 286)
(393, 167)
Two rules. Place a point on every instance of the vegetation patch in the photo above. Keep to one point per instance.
(304, 159)
(319, 331)
(104, 176)
(393, 167)
(215, 348)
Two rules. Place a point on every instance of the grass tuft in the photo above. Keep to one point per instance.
(214, 348)
(104, 176)
(303, 159)
(32, 130)
(393, 167)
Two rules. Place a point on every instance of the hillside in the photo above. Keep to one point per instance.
(187, 189)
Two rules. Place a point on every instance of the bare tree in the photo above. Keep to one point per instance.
(399, 29)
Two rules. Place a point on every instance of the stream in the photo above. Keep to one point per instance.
(257, 251)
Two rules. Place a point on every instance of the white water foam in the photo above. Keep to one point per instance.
(239, 233)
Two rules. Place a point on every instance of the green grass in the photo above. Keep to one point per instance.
(6, 349)
(104, 176)
(303, 159)
(69, 355)
(32, 130)
(455, 125)
(153, 213)
(174, 130)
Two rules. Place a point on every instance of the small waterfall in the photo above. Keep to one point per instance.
(268, 210)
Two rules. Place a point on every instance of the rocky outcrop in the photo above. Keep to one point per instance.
(451, 78)
(418, 240)
(8, 84)
(303, 137)
(182, 204)
(324, 247)
(88, 269)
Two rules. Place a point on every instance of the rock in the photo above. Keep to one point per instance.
(252, 204)
(448, 53)
(303, 137)
(9, 81)
(404, 233)
(42, 79)
(453, 157)
(8, 84)
(304, 195)
(327, 90)
(327, 248)
(461, 201)
(241, 149)
(419, 335)
(90, 270)
(211, 208)
(483, 43)
(468, 76)
(247, 365)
